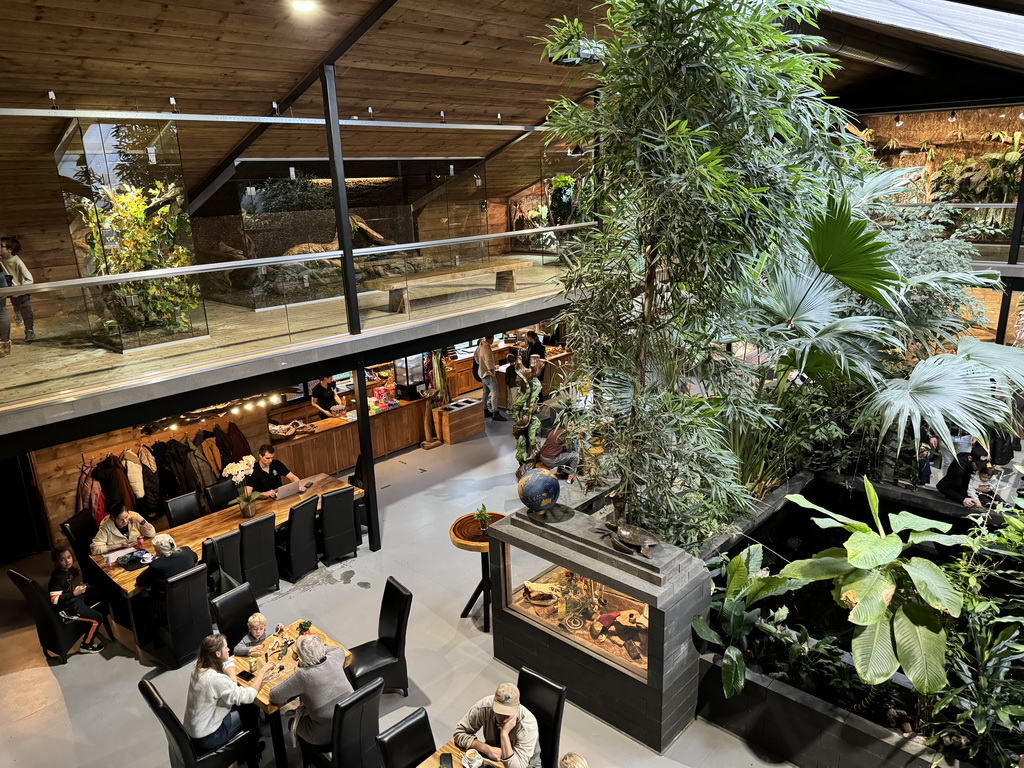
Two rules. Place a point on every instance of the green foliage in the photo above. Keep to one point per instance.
(482, 516)
(134, 230)
(714, 140)
(897, 605)
(303, 193)
(992, 178)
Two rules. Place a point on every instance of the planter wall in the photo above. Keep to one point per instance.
(804, 730)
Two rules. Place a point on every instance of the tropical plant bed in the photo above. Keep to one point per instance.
(802, 729)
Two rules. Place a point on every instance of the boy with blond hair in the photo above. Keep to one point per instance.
(572, 760)
(256, 636)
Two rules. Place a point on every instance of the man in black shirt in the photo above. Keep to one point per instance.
(535, 346)
(325, 396)
(268, 475)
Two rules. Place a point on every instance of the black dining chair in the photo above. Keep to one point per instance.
(244, 747)
(259, 561)
(296, 543)
(79, 530)
(336, 526)
(56, 635)
(385, 656)
(231, 612)
(220, 495)
(546, 701)
(353, 733)
(183, 509)
(407, 743)
(217, 579)
(229, 554)
(187, 612)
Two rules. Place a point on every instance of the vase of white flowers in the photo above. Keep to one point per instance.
(238, 471)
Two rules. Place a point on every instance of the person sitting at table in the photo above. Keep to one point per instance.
(325, 396)
(268, 475)
(169, 561)
(510, 732)
(214, 709)
(254, 638)
(72, 600)
(120, 530)
(320, 682)
(572, 760)
(554, 454)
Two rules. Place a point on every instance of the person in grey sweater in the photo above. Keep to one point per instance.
(320, 682)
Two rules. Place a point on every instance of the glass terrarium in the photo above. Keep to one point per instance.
(600, 620)
(127, 212)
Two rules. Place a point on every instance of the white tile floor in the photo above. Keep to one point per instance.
(89, 712)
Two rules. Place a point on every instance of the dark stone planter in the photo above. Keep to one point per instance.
(804, 730)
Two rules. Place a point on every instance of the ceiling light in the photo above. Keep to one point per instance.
(1002, 115)
(952, 117)
(1020, 116)
(236, 410)
(262, 403)
(248, 406)
(275, 399)
(899, 121)
(174, 427)
(304, 5)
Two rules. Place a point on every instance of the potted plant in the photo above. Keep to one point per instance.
(304, 626)
(238, 471)
(483, 517)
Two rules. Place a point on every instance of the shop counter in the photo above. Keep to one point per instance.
(334, 445)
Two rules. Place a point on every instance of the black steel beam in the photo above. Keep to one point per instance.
(1015, 236)
(366, 468)
(224, 170)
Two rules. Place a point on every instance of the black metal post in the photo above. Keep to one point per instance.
(366, 455)
(341, 216)
(1018, 225)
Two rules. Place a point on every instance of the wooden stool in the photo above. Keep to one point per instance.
(466, 534)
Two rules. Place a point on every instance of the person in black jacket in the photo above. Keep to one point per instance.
(72, 600)
(170, 561)
(954, 485)
(535, 346)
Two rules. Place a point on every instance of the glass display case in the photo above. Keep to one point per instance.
(601, 620)
(127, 212)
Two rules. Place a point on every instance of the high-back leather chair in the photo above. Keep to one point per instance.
(353, 733)
(385, 656)
(407, 743)
(232, 610)
(242, 748)
(546, 701)
(80, 529)
(336, 527)
(259, 561)
(220, 495)
(188, 617)
(217, 581)
(183, 509)
(56, 635)
(229, 554)
(296, 548)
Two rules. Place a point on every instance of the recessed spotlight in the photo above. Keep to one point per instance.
(174, 427)
(952, 117)
(304, 5)
(248, 406)
(236, 410)
(275, 399)
(262, 403)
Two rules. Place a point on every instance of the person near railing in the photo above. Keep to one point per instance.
(18, 273)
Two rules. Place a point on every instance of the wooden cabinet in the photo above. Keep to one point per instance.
(460, 420)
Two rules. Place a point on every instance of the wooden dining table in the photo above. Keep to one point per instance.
(434, 761)
(289, 662)
(194, 533)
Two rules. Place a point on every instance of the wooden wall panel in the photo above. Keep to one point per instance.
(58, 468)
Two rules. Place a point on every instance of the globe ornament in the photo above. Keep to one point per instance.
(538, 489)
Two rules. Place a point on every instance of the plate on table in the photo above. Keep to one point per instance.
(467, 764)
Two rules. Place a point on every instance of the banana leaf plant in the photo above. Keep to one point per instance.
(746, 584)
(898, 605)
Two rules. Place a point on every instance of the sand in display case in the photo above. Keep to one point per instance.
(601, 620)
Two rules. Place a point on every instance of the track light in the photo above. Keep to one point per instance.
(899, 121)
(952, 116)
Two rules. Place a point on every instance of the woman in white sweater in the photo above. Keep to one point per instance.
(212, 717)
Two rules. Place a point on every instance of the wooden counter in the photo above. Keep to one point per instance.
(193, 534)
(554, 374)
(335, 444)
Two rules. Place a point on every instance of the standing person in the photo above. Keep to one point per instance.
(6, 281)
(511, 380)
(10, 247)
(535, 346)
(325, 396)
(268, 475)
(925, 453)
(320, 682)
(72, 600)
(214, 710)
(484, 359)
(119, 530)
(509, 730)
(955, 484)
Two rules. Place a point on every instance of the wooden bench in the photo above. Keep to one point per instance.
(398, 285)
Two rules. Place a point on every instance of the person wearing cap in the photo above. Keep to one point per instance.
(169, 561)
(508, 730)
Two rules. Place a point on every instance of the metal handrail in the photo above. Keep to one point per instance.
(976, 206)
(227, 266)
(125, 114)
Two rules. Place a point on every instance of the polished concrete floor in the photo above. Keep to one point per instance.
(89, 712)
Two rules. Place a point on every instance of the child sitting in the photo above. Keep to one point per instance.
(72, 600)
(983, 486)
(256, 636)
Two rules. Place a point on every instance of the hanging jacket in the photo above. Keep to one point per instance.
(106, 476)
(133, 468)
(200, 466)
(89, 491)
(121, 478)
(223, 443)
(239, 445)
(177, 460)
(169, 486)
(146, 457)
(149, 503)
(212, 454)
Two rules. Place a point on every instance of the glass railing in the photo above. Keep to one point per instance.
(987, 226)
(97, 332)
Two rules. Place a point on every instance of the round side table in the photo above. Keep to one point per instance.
(466, 534)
